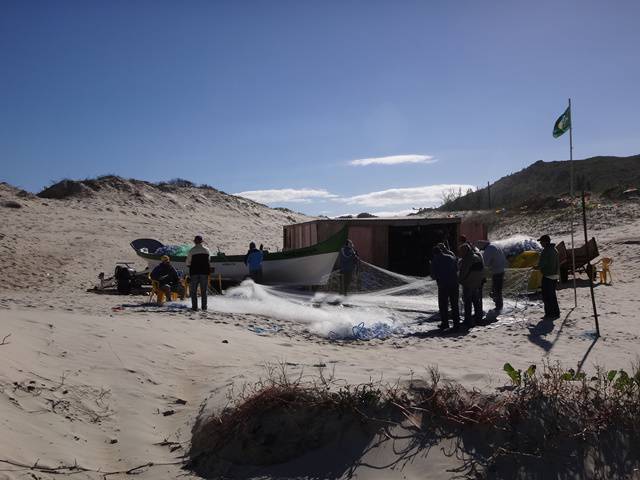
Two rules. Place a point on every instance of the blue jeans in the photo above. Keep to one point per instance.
(201, 280)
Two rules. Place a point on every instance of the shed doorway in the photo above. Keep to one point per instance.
(410, 247)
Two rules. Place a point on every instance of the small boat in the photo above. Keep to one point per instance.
(302, 266)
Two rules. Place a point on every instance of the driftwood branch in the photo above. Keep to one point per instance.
(4, 340)
(70, 469)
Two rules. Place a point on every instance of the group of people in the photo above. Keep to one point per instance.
(199, 265)
(450, 271)
(468, 270)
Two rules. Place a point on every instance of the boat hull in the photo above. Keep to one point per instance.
(309, 270)
(305, 266)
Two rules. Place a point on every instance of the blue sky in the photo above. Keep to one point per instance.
(280, 98)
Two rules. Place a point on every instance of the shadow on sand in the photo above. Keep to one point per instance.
(447, 450)
(580, 283)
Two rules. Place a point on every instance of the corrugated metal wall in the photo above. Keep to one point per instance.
(473, 230)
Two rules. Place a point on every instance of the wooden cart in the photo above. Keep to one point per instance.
(584, 255)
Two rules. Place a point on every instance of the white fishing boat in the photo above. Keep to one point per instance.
(304, 266)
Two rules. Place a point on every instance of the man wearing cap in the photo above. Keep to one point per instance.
(167, 276)
(549, 266)
(199, 270)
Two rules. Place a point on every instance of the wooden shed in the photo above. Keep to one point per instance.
(402, 245)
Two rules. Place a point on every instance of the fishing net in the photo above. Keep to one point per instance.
(381, 304)
(514, 246)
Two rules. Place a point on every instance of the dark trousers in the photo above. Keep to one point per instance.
(256, 275)
(449, 294)
(345, 282)
(472, 298)
(497, 281)
(202, 281)
(551, 308)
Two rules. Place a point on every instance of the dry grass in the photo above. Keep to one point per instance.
(551, 417)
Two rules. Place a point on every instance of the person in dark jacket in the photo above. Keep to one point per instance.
(199, 271)
(167, 276)
(349, 262)
(253, 260)
(471, 277)
(444, 270)
(549, 266)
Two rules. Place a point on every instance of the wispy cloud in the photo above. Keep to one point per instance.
(392, 160)
(392, 213)
(426, 196)
(304, 195)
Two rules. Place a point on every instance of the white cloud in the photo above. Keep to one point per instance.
(427, 196)
(394, 213)
(391, 213)
(304, 195)
(393, 160)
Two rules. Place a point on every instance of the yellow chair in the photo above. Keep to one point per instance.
(605, 270)
(159, 293)
(186, 284)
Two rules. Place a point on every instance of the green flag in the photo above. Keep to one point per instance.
(563, 123)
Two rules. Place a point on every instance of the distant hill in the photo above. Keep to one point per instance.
(607, 176)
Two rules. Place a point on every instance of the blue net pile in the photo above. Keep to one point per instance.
(360, 332)
(173, 250)
(514, 246)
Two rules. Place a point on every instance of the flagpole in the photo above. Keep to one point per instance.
(590, 269)
(573, 251)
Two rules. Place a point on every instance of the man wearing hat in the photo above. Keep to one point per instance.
(199, 270)
(167, 276)
(549, 266)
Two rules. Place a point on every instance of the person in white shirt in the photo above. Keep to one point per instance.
(496, 261)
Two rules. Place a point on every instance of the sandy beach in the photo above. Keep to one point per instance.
(110, 383)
